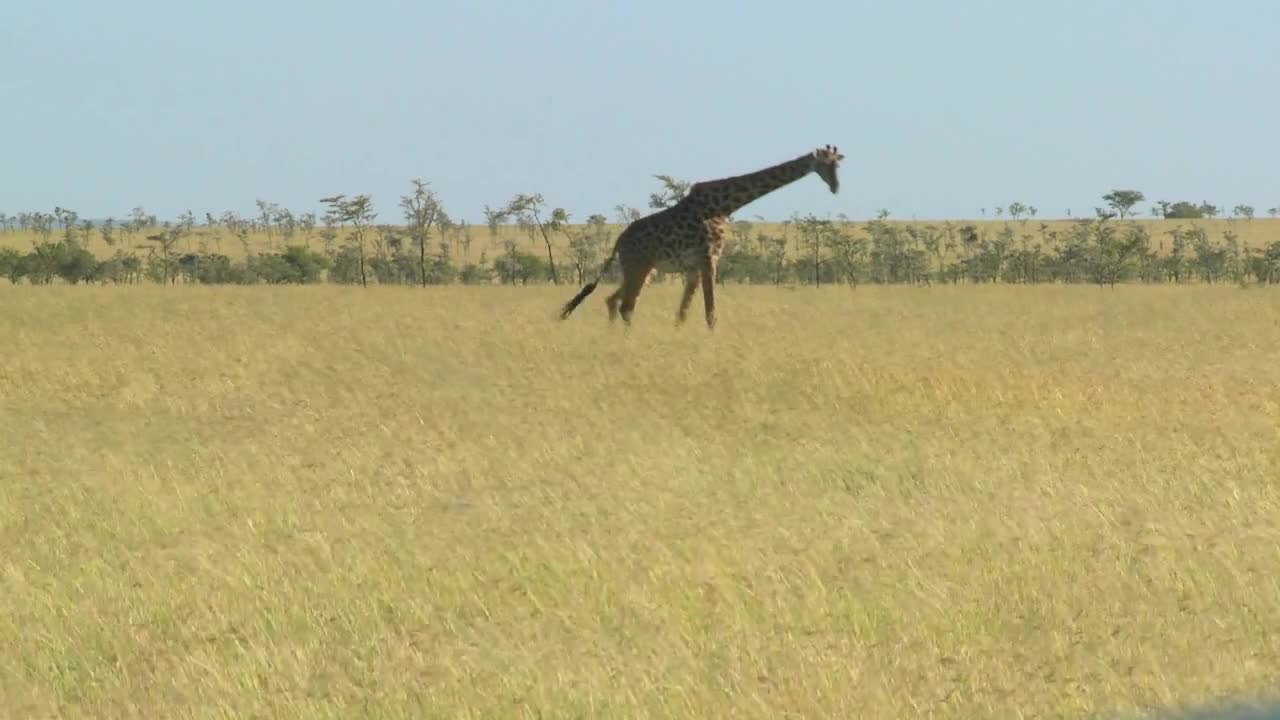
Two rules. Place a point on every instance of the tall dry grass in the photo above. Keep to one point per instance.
(880, 503)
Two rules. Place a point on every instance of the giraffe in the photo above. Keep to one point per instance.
(689, 236)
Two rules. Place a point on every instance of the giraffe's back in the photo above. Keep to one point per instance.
(674, 239)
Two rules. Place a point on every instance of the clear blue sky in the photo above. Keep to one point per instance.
(942, 107)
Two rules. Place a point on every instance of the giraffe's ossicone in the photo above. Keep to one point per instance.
(689, 237)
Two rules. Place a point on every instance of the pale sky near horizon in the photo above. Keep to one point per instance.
(942, 108)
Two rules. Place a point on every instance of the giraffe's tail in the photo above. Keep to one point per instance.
(589, 287)
(577, 299)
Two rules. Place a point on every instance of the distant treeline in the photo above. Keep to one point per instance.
(345, 245)
(1101, 250)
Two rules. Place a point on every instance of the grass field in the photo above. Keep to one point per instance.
(889, 502)
(1256, 233)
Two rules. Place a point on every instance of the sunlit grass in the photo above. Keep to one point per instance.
(878, 503)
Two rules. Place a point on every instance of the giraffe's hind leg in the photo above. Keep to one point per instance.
(629, 286)
(634, 278)
(691, 280)
(612, 302)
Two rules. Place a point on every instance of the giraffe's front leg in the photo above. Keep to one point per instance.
(691, 280)
(708, 272)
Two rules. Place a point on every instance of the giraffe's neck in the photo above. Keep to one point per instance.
(727, 195)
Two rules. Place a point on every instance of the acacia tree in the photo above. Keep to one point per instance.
(1017, 210)
(586, 243)
(107, 230)
(286, 223)
(816, 233)
(42, 223)
(357, 211)
(1122, 201)
(1112, 250)
(422, 209)
(166, 241)
(139, 220)
(848, 253)
(462, 231)
(187, 221)
(267, 212)
(527, 210)
(626, 214)
(494, 218)
(673, 191)
(67, 219)
(307, 221)
(1181, 210)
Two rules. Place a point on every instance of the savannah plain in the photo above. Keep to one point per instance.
(957, 500)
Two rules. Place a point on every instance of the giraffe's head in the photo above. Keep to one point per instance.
(825, 161)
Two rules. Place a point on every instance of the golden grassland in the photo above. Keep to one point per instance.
(1256, 233)
(947, 502)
